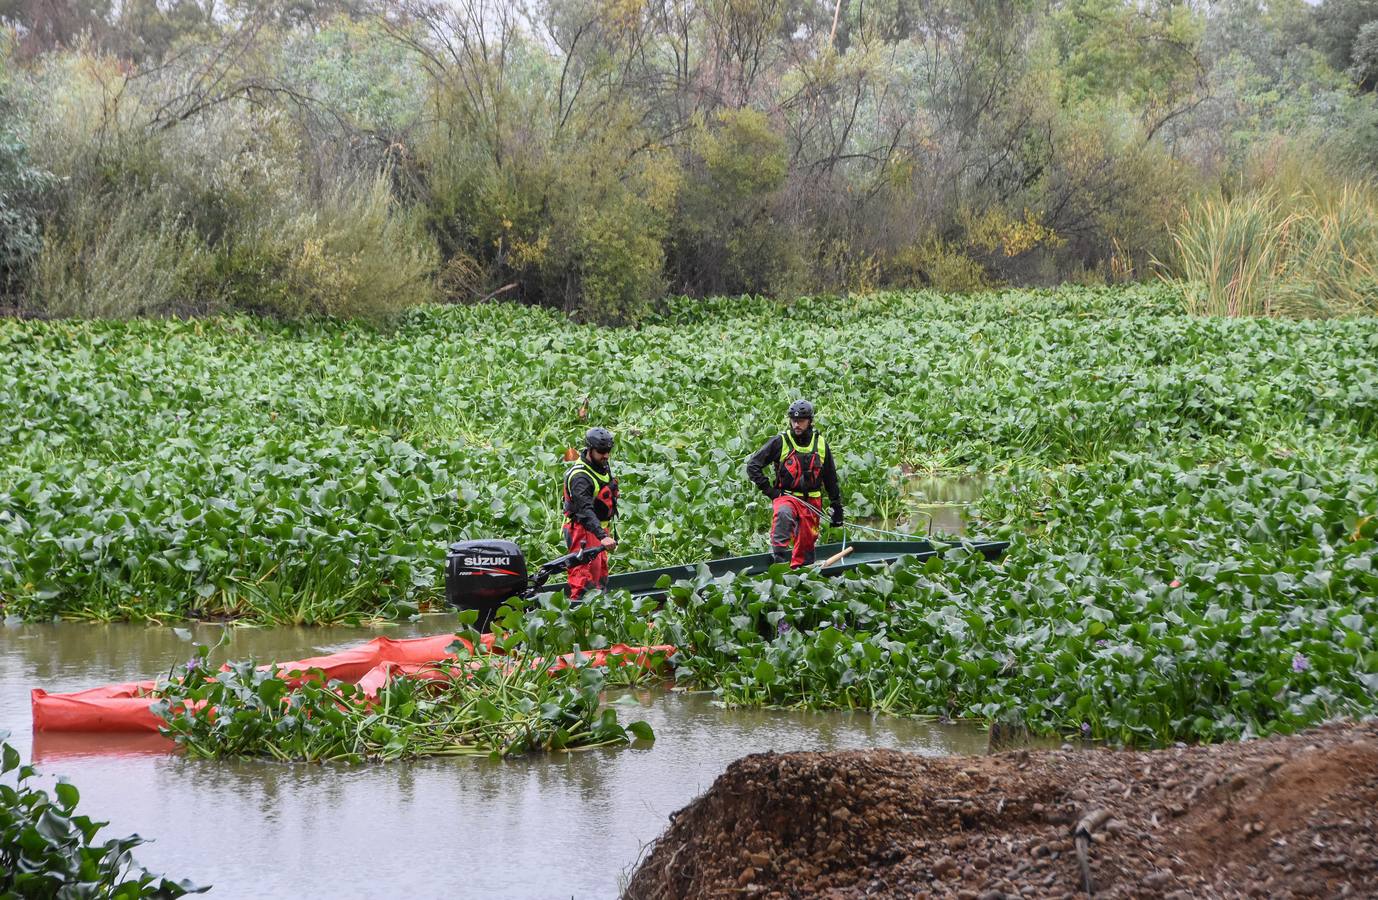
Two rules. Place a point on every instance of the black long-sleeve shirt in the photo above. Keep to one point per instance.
(770, 455)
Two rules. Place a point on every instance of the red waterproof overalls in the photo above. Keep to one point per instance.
(796, 511)
(594, 573)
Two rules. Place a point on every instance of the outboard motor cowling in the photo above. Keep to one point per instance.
(483, 575)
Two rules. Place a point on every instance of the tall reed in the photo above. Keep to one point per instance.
(1300, 244)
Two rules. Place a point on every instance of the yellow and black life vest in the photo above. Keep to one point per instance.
(799, 471)
(604, 492)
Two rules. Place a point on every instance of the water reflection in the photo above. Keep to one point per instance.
(541, 826)
(51, 747)
(931, 504)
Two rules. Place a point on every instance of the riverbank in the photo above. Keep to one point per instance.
(1284, 817)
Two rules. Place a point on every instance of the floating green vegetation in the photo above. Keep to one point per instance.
(1144, 601)
(481, 703)
(314, 473)
(47, 849)
(1192, 503)
(1153, 600)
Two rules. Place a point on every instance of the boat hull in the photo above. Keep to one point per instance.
(646, 581)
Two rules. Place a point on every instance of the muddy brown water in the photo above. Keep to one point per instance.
(929, 504)
(544, 826)
(944, 500)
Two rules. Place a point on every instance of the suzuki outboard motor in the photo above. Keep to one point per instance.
(484, 575)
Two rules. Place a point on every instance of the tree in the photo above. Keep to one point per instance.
(49, 24)
(1338, 23)
(732, 247)
(22, 185)
(146, 30)
(1145, 56)
(1363, 69)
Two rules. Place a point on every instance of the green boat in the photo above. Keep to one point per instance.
(485, 574)
(859, 553)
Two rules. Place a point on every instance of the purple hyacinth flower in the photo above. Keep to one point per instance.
(1300, 663)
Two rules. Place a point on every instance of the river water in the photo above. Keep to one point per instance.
(937, 505)
(543, 826)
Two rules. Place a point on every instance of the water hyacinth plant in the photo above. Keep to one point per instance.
(47, 849)
(1191, 500)
(1198, 601)
(314, 473)
(481, 703)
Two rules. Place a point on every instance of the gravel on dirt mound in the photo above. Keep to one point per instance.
(1281, 817)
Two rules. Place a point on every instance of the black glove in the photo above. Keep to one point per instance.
(770, 492)
(837, 517)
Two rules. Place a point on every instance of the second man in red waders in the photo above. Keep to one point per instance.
(804, 469)
(590, 495)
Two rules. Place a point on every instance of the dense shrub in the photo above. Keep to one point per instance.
(1363, 67)
(345, 158)
(21, 187)
(357, 254)
(111, 256)
(741, 247)
(938, 265)
(217, 212)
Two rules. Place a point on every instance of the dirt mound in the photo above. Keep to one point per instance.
(1284, 817)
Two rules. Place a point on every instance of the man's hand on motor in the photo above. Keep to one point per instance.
(610, 542)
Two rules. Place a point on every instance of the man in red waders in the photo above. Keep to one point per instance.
(590, 495)
(804, 468)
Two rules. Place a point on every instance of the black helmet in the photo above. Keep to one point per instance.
(801, 409)
(599, 439)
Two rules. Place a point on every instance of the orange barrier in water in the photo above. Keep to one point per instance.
(126, 707)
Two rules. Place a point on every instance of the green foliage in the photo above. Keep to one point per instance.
(1363, 67)
(587, 157)
(1312, 251)
(147, 30)
(356, 256)
(1154, 601)
(484, 702)
(48, 850)
(1146, 599)
(22, 185)
(563, 206)
(316, 473)
(938, 265)
(590, 156)
(1339, 24)
(1270, 80)
(151, 220)
(1138, 55)
(113, 257)
(618, 257)
(742, 247)
(1228, 254)
(1112, 196)
(349, 66)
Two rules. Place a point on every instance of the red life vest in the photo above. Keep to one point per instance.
(799, 471)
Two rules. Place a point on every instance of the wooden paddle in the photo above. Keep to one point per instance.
(835, 557)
